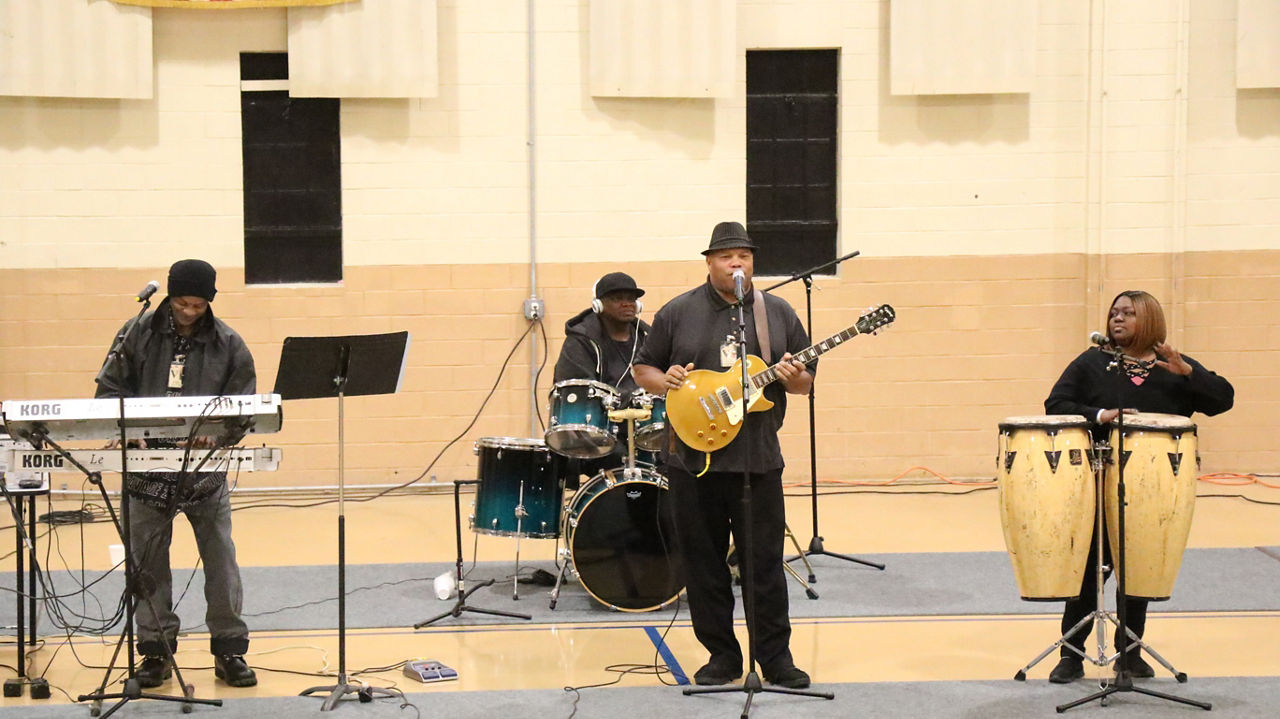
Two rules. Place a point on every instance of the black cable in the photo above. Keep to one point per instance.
(1239, 496)
(476, 418)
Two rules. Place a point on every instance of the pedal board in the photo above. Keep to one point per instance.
(428, 670)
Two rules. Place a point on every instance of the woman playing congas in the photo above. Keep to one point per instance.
(1156, 379)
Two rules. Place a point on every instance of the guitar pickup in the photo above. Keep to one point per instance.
(724, 398)
(705, 408)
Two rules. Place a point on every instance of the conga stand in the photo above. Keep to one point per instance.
(751, 684)
(461, 605)
(323, 367)
(1123, 681)
(815, 544)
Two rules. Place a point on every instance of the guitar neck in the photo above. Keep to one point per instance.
(806, 355)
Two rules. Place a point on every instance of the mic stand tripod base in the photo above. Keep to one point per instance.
(1123, 682)
(752, 685)
(816, 549)
(365, 693)
(461, 606)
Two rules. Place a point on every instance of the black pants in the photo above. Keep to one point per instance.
(1077, 609)
(707, 510)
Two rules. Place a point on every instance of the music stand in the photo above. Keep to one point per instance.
(325, 367)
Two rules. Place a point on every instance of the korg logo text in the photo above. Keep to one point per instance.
(39, 410)
(36, 461)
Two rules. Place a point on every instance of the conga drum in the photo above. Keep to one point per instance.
(1047, 499)
(1160, 465)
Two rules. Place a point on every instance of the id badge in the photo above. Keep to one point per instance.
(175, 375)
(728, 351)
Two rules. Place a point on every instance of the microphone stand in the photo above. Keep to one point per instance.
(815, 544)
(1123, 681)
(751, 684)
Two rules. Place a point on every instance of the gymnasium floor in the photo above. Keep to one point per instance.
(523, 655)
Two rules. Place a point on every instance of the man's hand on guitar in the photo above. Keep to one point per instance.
(676, 375)
(794, 375)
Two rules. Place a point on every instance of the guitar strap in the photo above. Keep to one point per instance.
(762, 328)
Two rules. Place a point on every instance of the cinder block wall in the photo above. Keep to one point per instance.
(999, 226)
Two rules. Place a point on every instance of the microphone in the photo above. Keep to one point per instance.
(152, 287)
(1099, 339)
(738, 279)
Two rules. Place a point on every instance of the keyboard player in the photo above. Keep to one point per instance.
(182, 349)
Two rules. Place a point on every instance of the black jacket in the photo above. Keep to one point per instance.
(589, 352)
(219, 364)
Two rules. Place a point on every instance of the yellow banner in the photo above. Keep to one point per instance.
(229, 4)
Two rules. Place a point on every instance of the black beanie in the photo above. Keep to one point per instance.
(192, 278)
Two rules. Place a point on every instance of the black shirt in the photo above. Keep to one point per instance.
(692, 327)
(1086, 386)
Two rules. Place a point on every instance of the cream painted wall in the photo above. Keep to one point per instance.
(999, 226)
(112, 183)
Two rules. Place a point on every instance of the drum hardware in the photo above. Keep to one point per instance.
(519, 494)
(579, 425)
(614, 535)
(461, 605)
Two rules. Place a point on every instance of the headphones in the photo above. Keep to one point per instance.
(597, 306)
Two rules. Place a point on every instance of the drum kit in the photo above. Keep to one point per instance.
(617, 533)
(1052, 477)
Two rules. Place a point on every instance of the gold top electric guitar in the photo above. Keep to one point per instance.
(706, 411)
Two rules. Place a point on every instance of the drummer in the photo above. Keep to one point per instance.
(1157, 379)
(600, 344)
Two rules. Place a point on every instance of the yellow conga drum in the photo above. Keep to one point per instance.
(1160, 466)
(1047, 500)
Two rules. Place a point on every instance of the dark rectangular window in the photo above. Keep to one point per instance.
(792, 99)
(292, 179)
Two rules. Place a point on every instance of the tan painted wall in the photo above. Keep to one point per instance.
(998, 225)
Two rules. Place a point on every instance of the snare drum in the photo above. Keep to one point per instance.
(649, 432)
(620, 548)
(1047, 499)
(580, 418)
(520, 490)
(1160, 466)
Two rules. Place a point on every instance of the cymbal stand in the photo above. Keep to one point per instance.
(461, 605)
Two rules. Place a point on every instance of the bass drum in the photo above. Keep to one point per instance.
(621, 541)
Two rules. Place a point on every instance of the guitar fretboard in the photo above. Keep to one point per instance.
(806, 355)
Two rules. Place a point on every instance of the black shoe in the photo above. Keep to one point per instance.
(717, 672)
(1068, 670)
(153, 672)
(790, 677)
(1138, 667)
(233, 670)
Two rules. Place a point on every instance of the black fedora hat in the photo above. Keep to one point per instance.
(728, 236)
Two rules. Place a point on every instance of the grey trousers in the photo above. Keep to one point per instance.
(151, 533)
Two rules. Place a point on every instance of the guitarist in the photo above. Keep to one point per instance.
(696, 330)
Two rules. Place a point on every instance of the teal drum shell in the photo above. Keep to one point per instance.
(579, 426)
(650, 432)
(521, 488)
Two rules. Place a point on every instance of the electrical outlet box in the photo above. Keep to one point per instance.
(535, 308)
